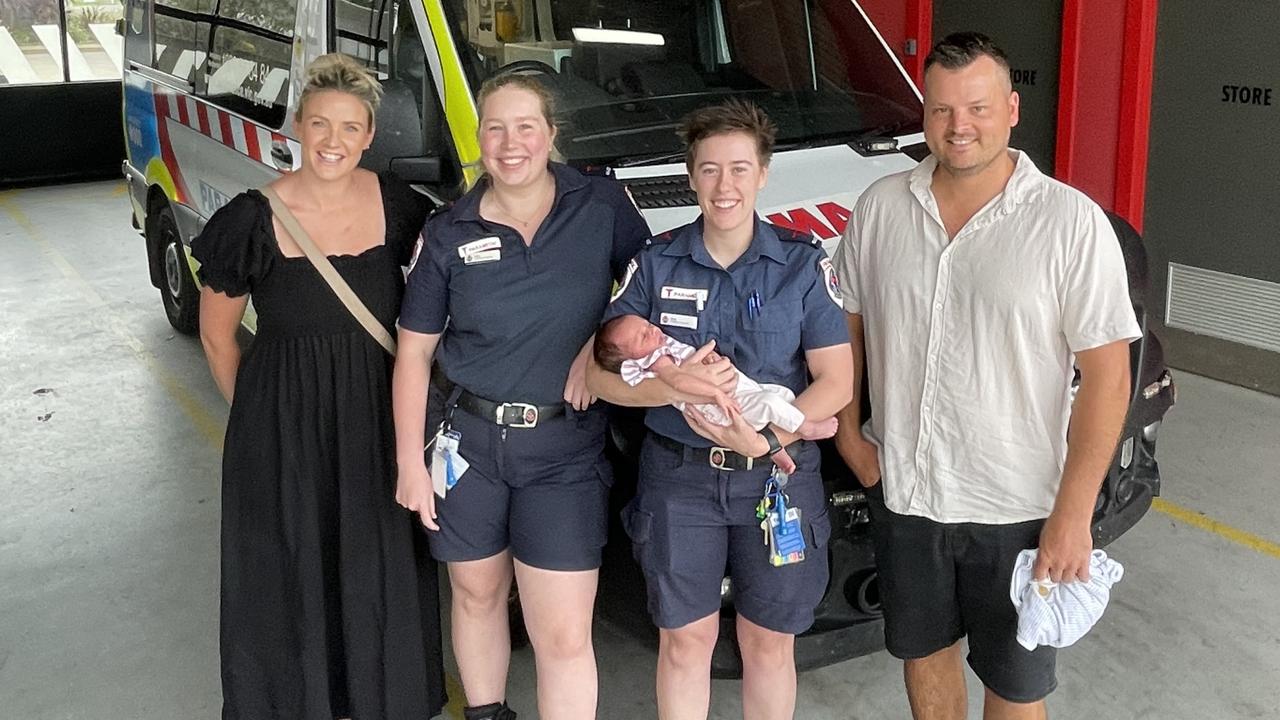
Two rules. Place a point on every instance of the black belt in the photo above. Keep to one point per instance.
(507, 414)
(717, 457)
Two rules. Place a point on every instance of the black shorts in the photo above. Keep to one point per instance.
(940, 582)
(542, 492)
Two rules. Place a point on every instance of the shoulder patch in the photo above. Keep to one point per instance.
(787, 234)
(632, 266)
(830, 281)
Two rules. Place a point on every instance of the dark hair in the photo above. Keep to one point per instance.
(731, 116)
(957, 50)
(608, 355)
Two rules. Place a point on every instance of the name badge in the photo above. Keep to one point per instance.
(484, 256)
(694, 295)
(479, 246)
(681, 321)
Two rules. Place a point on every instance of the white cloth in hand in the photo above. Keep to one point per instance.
(1058, 614)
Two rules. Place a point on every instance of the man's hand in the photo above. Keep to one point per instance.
(413, 492)
(1065, 546)
(862, 457)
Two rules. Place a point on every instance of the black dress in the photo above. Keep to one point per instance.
(330, 604)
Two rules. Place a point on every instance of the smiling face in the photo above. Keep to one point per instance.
(515, 138)
(335, 129)
(636, 337)
(727, 175)
(968, 115)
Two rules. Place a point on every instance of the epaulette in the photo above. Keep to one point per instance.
(787, 234)
(441, 208)
(659, 239)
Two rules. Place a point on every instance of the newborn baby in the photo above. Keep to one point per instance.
(637, 349)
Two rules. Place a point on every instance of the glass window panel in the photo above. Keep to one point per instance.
(30, 42)
(274, 15)
(248, 73)
(94, 50)
(180, 46)
(364, 31)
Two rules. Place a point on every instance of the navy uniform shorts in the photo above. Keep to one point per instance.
(690, 522)
(543, 491)
(940, 582)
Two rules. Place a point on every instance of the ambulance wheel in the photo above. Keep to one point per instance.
(178, 290)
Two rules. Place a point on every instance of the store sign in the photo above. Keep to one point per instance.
(1023, 77)
(1246, 95)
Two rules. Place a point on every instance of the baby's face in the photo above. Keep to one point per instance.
(639, 337)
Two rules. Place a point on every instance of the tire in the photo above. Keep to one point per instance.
(178, 290)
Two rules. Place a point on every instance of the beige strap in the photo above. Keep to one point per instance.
(327, 271)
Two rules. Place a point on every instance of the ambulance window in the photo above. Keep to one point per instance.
(180, 42)
(247, 70)
(364, 31)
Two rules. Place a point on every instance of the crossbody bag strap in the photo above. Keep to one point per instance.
(339, 286)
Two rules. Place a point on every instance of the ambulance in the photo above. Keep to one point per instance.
(211, 86)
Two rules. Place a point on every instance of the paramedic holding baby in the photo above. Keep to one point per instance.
(708, 497)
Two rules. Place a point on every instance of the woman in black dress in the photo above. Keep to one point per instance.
(328, 610)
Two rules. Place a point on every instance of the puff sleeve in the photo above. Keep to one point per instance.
(237, 247)
(406, 210)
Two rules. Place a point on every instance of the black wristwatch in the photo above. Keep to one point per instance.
(774, 444)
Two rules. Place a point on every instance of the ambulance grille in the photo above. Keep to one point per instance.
(1232, 307)
(668, 191)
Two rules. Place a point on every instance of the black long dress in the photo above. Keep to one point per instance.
(330, 604)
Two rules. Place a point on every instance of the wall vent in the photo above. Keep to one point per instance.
(1232, 307)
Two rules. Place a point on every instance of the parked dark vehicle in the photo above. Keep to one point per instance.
(848, 620)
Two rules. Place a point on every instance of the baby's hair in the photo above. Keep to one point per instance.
(608, 355)
(344, 74)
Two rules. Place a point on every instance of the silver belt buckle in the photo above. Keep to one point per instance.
(528, 415)
(718, 457)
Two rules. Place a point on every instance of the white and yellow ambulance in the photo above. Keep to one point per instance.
(210, 87)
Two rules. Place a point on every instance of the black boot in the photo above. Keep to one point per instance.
(492, 711)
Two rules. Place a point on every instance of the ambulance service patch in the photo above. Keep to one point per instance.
(626, 279)
(831, 282)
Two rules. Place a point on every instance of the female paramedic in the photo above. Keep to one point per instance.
(708, 496)
(509, 287)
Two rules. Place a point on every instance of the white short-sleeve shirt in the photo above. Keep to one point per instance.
(970, 340)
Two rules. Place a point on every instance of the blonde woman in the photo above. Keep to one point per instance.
(521, 268)
(327, 609)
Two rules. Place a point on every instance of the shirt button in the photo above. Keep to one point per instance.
(937, 306)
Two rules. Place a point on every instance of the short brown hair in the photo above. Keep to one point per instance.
(607, 353)
(731, 116)
(959, 49)
(522, 82)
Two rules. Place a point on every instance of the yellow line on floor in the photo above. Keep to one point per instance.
(1203, 522)
(204, 421)
(208, 426)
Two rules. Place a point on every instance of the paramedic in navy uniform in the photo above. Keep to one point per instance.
(509, 285)
(766, 296)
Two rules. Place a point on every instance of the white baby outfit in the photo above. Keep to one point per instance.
(760, 404)
(1058, 614)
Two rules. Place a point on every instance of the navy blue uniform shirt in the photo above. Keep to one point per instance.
(517, 315)
(676, 285)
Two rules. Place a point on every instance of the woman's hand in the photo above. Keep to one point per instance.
(414, 492)
(575, 386)
(738, 436)
(709, 367)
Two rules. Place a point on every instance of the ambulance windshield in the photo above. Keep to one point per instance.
(624, 72)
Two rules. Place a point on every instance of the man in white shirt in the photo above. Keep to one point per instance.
(976, 284)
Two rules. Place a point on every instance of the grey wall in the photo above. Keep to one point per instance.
(1030, 31)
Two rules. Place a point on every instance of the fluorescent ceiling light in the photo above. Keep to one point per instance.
(616, 37)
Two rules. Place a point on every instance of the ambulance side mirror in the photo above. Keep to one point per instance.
(417, 170)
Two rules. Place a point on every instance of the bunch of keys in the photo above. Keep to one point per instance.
(783, 533)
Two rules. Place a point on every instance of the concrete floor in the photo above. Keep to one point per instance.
(109, 434)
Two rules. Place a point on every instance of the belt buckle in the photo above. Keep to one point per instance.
(718, 457)
(528, 415)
